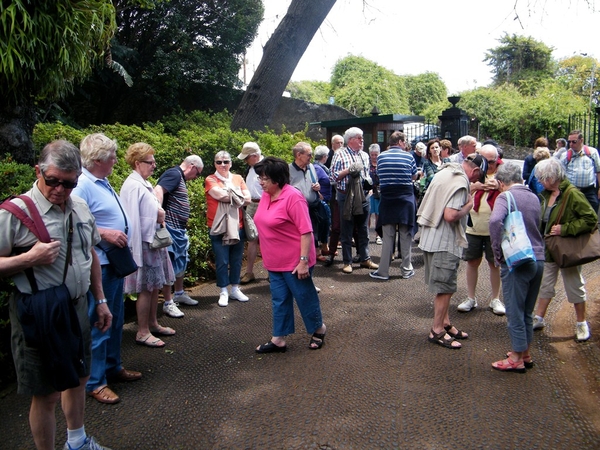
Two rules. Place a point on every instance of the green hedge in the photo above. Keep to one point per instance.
(173, 139)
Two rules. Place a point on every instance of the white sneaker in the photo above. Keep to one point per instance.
(497, 307)
(89, 444)
(538, 323)
(583, 331)
(172, 310)
(318, 289)
(185, 299)
(378, 241)
(238, 295)
(377, 276)
(467, 305)
(223, 298)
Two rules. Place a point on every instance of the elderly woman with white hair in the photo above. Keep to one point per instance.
(577, 218)
(226, 192)
(323, 172)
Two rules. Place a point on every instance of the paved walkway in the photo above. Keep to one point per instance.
(377, 382)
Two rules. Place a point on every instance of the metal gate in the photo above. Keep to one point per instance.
(588, 124)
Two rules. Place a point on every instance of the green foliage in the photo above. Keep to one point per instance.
(46, 46)
(310, 91)
(359, 84)
(580, 75)
(423, 90)
(520, 61)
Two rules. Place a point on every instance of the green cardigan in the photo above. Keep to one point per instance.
(578, 216)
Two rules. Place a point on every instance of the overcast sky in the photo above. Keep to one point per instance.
(449, 37)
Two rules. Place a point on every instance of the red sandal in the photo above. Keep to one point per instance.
(508, 365)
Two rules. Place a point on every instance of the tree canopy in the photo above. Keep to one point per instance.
(520, 61)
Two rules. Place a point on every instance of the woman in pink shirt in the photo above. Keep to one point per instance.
(288, 254)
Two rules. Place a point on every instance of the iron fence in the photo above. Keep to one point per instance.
(588, 123)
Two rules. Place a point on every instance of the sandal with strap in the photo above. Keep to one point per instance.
(458, 335)
(150, 341)
(163, 331)
(527, 360)
(508, 365)
(271, 347)
(440, 339)
(317, 339)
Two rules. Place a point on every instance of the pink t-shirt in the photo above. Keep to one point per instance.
(280, 224)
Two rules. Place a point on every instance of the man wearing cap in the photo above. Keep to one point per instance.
(251, 155)
(172, 193)
(466, 146)
(443, 218)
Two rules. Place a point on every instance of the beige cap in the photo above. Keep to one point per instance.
(249, 148)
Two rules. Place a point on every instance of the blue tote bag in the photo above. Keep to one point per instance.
(516, 245)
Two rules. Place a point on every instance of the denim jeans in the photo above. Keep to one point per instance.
(106, 347)
(520, 290)
(347, 226)
(228, 259)
(285, 287)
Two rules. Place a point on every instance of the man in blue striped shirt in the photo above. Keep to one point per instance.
(396, 170)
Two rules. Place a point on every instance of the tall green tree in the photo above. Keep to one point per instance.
(520, 61)
(423, 90)
(359, 85)
(177, 52)
(580, 74)
(45, 48)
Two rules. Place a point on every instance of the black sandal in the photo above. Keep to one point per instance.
(458, 335)
(270, 347)
(317, 339)
(440, 339)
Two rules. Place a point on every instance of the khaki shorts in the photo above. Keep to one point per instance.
(478, 246)
(441, 272)
(31, 377)
(572, 280)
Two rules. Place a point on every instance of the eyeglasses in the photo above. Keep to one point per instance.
(218, 163)
(573, 142)
(53, 182)
(197, 171)
(150, 163)
(492, 161)
(263, 179)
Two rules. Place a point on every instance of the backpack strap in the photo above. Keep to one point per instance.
(34, 223)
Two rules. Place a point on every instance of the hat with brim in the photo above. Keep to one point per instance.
(480, 162)
(249, 148)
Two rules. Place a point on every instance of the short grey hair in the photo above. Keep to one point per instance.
(222, 154)
(194, 160)
(61, 154)
(509, 173)
(321, 151)
(96, 147)
(374, 148)
(466, 140)
(352, 132)
(300, 148)
(551, 170)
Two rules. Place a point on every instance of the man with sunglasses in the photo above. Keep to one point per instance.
(68, 258)
(172, 194)
(582, 166)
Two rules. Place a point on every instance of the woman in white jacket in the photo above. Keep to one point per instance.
(154, 265)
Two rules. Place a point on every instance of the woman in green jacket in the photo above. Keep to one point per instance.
(578, 217)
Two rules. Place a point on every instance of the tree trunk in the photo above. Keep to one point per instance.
(16, 128)
(281, 55)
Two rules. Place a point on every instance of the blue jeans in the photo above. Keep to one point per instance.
(286, 286)
(228, 259)
(106, 347)
(347, 226)
(520, 289)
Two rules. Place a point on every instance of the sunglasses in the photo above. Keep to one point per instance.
(574, 142)
(151, 163)
(53, 182)
(218, 163)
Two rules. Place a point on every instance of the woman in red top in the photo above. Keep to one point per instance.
(220, 187)
(288, 254)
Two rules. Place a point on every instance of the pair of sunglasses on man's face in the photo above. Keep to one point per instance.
(218, 163)
(53, 182)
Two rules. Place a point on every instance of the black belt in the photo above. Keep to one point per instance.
(255, 200)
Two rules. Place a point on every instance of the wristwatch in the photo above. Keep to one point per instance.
(102, 300)
(304, 258)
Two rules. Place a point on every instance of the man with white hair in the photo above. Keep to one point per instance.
(349, 168)
(466, 146)
(251, 154)
(172, 194)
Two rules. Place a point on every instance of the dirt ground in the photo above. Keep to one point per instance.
(578, 366)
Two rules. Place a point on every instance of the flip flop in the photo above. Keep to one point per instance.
(150, 341)
(163, 331)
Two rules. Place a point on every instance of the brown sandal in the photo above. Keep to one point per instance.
(104, 394)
